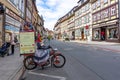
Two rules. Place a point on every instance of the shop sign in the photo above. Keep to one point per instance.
(27, 42)
(11, 28)
(103, 24)
(86, 27)
(12, 21)
(12, 14)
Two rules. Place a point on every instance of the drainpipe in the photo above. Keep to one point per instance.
(119, 19)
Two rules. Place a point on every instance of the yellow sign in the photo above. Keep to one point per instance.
(27, 42)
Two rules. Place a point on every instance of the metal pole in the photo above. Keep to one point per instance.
(119, 19)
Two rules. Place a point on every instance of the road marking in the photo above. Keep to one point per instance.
(52, 76)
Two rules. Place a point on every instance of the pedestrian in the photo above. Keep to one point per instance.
(103, 35)
(38, 40)
(49, 38)
(12, 41)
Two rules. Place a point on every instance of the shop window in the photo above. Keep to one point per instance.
(96, 34)
(113, 33)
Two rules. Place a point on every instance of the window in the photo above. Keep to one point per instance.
(94, 6)
(83, 9)
(106, 13)
(98, 3)
(76, 23)
(77, 13)
(113, 10)
(113, 33)
(96, 34)
(94, 17)
(80, 21)
(102, 14)
(77, 33)
(105, 1)
(83, 20)
(12, 1)
(80, 12)
(15, 2)
(85, 0)
(87, 7)
(28, 13)
(98, 16)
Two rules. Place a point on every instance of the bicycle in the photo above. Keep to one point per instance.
(56, 59)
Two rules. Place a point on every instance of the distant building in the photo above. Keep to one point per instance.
(57, 30)
(65, 26)
(83, 21)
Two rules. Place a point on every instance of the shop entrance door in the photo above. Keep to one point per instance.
(103, 29)
(73, 35)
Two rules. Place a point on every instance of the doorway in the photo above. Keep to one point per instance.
(73, 35)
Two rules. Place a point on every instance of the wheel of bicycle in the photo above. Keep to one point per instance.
(29, 63)
(58, 60)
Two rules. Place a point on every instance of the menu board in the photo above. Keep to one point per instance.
(27, 42)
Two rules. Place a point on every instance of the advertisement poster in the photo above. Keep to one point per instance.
(27, 42)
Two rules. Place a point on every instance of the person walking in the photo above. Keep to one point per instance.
(38, 40)
(12, 40)
(103, 35)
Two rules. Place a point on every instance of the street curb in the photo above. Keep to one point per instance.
(113, 50)
(87, 43)
(18, 73)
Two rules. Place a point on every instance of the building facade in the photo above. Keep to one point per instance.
(65, 26)
(11, 18)
(14, 14)
(83, 21)
(34, 14)
(57, 30)
(40, 25)
(71, 23)
(105, 23)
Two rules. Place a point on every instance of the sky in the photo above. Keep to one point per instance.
(52, 10)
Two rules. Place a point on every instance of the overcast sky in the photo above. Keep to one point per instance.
(52, 10)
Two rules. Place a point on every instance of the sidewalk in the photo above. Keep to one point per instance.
(11, 66)
(103, 45)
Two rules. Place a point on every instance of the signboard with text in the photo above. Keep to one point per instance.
(27, 42)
